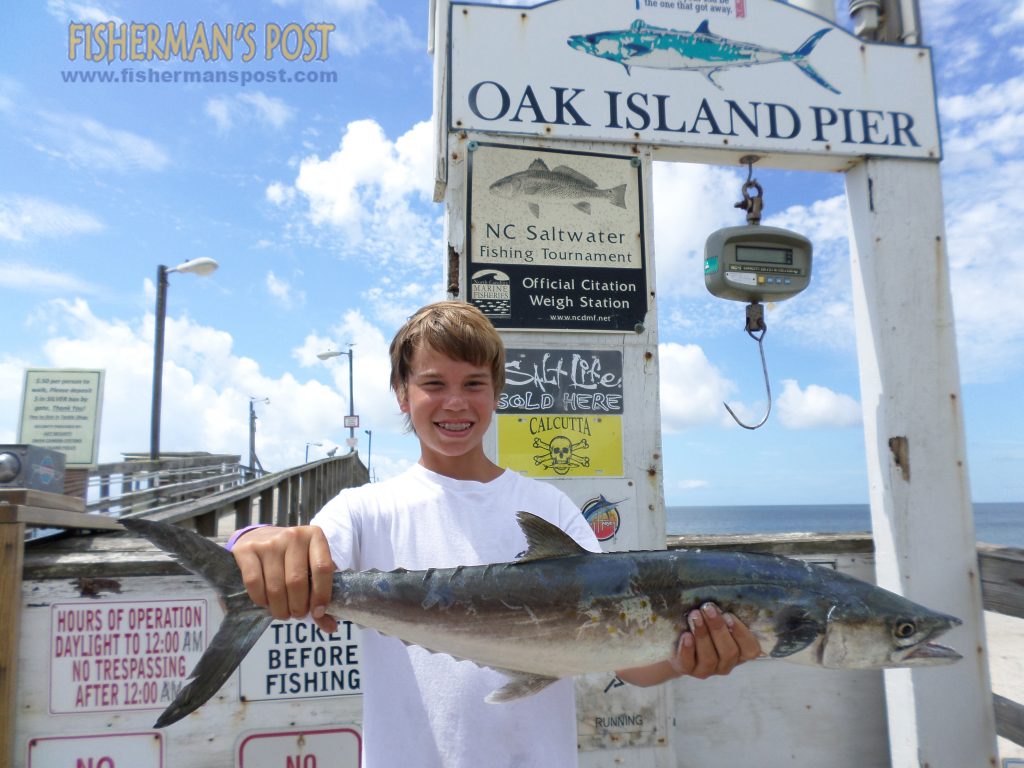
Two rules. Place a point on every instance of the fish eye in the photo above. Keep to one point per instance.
(905, 629)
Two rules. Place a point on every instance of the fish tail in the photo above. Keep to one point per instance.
(243, 623)
(617, 196)
(808, 45)
(812, 73)
(799, 56)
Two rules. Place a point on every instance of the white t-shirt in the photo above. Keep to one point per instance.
(426, 710)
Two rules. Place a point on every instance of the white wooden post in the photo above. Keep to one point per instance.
(920, 498)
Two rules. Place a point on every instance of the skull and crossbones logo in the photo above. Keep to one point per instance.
(561, 454)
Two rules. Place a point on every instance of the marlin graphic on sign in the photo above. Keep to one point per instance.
(702, 50)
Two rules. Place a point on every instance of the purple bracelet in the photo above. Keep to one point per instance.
(240, 533)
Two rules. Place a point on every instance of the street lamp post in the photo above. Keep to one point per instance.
(307, 450)
(329, 353)
(369, 452)
(202, 266)
(253, 460)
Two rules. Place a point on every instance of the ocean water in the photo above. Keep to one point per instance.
(1000, 523)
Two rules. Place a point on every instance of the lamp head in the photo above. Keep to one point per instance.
(202, 266)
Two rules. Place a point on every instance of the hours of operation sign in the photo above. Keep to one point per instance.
(110, 656)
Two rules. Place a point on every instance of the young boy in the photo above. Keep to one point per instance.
(455, 507)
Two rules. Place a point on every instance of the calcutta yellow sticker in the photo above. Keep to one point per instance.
(561, 445)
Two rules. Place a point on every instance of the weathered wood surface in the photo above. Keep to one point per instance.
(1002, 579)
(1009, 719)
(11, 537)
(31, 498)
(786, 544)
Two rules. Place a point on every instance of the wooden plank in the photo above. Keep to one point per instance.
(56, 518)
(1002, 579)
(786, 544)
(33, 498)
(1009, 719)
(12, 536)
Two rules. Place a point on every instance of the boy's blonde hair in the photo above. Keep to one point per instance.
(453, 328)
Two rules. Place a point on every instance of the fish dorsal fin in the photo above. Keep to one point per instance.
(545, 540)
(565, 170)
(704, 29)
(538, 165)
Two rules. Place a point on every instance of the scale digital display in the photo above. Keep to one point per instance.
(758, 255)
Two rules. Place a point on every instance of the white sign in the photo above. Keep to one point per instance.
(351, 422)
(296, 660)
(108, 750)
(113, 656)
(60, 410)
(326, 748)
(755, 75)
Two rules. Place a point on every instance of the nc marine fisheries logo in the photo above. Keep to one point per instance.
(701, 50)
(603, 517)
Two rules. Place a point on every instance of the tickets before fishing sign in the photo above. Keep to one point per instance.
(756, 75)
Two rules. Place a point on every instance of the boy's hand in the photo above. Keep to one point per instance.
(288, 571)
(716, 643)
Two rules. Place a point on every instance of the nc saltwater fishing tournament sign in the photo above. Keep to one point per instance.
(756, 75)
(555, 239)
(560, 414)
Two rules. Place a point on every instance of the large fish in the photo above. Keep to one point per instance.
(537, 184)
(701, 50)
(559, 610)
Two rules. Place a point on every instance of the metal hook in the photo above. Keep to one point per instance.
(756, 329)
(752, 204)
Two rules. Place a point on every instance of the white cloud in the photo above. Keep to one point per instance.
(283, 292)
(692, 485)
(690, 202)
(66, 11)
(206, 387)
(27, 277)
(84, 141)
(253, 106)
(28, 218)
(378, 194)
(815, 406)
(692, 389)
(373, 399)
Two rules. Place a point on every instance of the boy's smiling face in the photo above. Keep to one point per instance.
(450, 404)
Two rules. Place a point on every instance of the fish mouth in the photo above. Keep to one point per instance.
(932, 653)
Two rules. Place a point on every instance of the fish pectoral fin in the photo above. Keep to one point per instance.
(534, 209)
(795, 629)
(520, 684)
(710, 75)
(638, 49)
(584, 206)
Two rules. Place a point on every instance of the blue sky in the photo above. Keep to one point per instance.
(315, 198)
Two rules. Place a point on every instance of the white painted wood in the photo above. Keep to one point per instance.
(921, 511)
